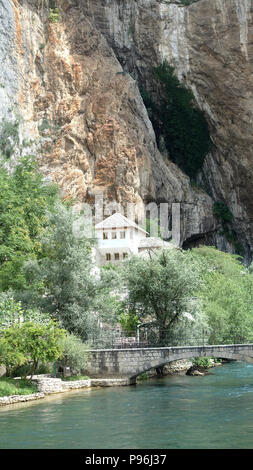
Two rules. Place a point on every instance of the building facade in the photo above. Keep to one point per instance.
(118, 237)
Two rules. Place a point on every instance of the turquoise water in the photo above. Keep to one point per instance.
(180, 412)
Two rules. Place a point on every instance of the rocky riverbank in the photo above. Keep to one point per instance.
(176, 367)
(201, 370)
(182, 367)
(47, 385)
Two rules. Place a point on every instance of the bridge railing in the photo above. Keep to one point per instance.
(116, 339)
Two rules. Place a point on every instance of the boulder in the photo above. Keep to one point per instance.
(197, 370)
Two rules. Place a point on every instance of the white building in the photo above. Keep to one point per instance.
(119, 237)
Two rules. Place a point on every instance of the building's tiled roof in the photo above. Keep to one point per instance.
(154, 242)
(118, 220)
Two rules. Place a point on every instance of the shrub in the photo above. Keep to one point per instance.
(25, 370)
(74, 353)
(225, 216)
(222, 212)
(202, 361)
(9, 137)
(129, 323)
(54, 15)
(143, 376)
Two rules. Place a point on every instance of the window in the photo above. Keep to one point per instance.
(125, 255)
(105, 235)
(108, 256)
(116, 256)
(114, 235)
(122, 234)
(131, 235)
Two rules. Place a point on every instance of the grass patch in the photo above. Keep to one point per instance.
(76, 377)
(15, 387)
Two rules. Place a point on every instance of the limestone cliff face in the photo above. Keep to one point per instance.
(210, 44)
(70, 83)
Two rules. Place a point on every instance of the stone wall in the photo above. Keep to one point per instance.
(48, 385)
(20, 398)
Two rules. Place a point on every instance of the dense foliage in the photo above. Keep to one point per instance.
(30, 343)
(160, 292)
(176, 117)
(75, 353)
(61, 283)
(24, 201)
(202, 295)
(226, 296)
(11, 312)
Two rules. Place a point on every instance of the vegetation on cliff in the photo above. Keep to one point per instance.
(225, 218)
(178, 120)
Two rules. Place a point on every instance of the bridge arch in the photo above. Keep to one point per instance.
(129, 363)
(230, 356)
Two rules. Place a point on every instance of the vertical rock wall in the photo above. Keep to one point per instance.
(70, 82)
(210, 45)
(74, 97)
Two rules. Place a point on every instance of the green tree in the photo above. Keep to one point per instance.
(42, 343)
(160, 289)
(30, 343)
(24, 200)
(129, 323)
(226, 295)
(12, 352)
(61, 281)
(75, 353)
(12, 312)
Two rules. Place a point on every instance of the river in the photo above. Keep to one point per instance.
(176, 412)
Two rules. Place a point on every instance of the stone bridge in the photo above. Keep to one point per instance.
(129, 363)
